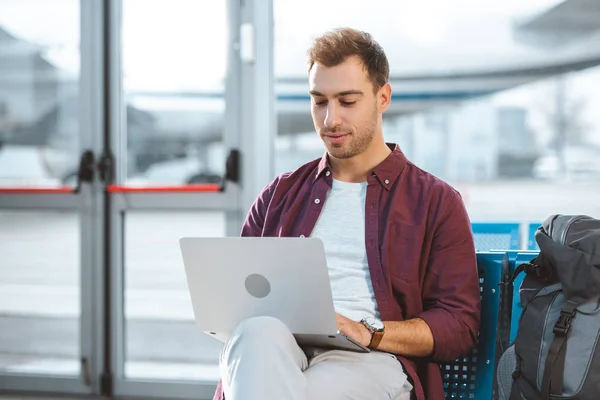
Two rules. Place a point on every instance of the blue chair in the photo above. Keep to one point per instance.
(531, 243)
(496, 236)
(472, 377)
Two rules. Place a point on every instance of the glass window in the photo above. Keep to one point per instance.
(162, 338)
(39, 88)
(39, 293)
(174, 68)
(497, 98)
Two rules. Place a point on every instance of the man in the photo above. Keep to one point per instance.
(398, 245)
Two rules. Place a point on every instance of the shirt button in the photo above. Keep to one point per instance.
(387, 181)
(317, 201)
(327, 173)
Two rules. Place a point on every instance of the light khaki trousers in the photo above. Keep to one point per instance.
(262, 361)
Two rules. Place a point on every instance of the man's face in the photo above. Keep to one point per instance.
(344, 108)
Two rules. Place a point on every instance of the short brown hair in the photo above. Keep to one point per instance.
(336, 46)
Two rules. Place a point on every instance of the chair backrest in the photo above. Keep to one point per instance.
(496, 236)
(531, 228)
(515, 300)
(472, 376)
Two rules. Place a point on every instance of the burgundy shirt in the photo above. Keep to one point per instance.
(419, 245)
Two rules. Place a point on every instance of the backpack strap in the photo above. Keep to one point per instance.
(554, 369)
(529, 268)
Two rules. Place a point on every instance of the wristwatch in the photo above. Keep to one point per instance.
(377, 330)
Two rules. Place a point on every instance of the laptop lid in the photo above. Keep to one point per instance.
(235, 278)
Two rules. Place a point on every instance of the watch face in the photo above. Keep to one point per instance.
(375, 323)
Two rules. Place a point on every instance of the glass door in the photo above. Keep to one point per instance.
(176, 141)
(48, 203)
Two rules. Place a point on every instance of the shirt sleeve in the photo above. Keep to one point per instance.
(255, 219)
(451, 297)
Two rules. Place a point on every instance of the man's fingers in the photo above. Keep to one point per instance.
(340, 318)
(340, 322)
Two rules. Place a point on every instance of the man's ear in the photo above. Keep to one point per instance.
(384, 97)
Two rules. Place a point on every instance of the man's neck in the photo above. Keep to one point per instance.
(357, 168)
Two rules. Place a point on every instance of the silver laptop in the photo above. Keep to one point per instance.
(235, 278)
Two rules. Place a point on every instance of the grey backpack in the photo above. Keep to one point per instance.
(557, 347)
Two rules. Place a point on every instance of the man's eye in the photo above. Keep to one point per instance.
(347, 103)
(320, 103)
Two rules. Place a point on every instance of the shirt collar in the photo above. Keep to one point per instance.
(386, 172)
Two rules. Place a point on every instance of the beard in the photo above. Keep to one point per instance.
(357, 142)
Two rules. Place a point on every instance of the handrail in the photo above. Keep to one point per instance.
(191, 188)
(37, 190)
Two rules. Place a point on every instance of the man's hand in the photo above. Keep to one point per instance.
(353, 329)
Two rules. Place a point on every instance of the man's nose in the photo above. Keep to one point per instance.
(332, 118)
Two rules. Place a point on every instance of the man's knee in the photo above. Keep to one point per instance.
(260, 328)
(257, 335)
(261, 349)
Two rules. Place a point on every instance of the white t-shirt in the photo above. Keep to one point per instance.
(341, 227)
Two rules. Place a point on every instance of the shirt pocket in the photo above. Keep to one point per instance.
(403, 250)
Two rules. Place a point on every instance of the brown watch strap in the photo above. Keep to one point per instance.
(376, 339)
